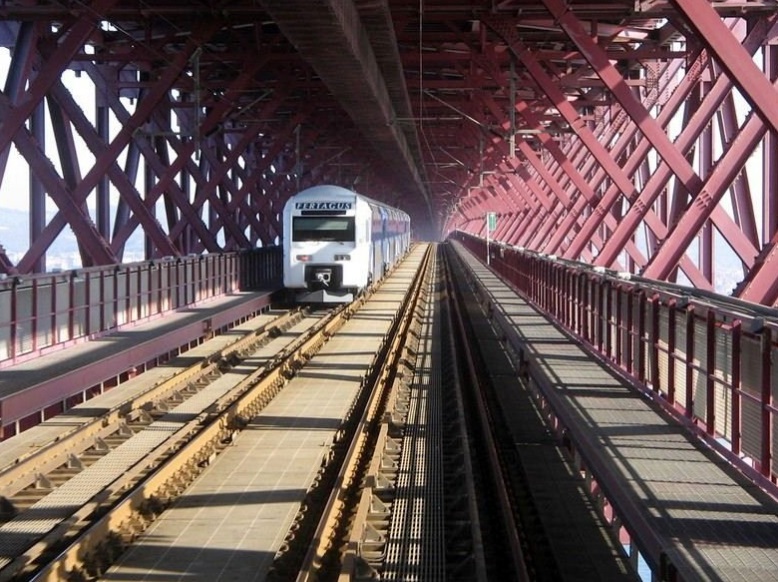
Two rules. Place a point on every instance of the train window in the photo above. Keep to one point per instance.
(329, 228)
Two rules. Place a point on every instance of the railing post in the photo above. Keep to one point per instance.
(690, 326)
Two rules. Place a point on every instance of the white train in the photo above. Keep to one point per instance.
(337, 242)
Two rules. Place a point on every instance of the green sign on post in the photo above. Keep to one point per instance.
(491, 220)
(491, 225)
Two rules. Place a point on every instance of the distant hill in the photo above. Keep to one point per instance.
(63, 253)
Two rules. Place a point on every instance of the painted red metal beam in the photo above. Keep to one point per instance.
(107, 158)
(22, 58)
(70, 43)
(703, 206)
(727, 168)
(642, 204)
(716, 37)
(71, 210)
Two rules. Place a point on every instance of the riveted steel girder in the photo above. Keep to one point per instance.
(331, 37)
(575, 122)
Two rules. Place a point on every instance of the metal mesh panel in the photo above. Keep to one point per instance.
(751, 383)
(700, 362)
(723, 373)
(723, 401)
(774, 387)
(664, 358)
(680, 359)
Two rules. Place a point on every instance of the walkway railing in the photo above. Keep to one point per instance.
(39, 313)
(711, 360)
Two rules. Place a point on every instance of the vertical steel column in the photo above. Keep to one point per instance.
(599, 308)
(53, 314)
(608, 291)
(101, 291)
(766, 403)
(770, 159)
(14, 318)
(148, 243)
(103, 203)
(690, 326)
(71, 307)
(625, 339)
(37, 191)
(139, 294)
(87, 303)
(737, 330)
(34, 315)
(641, 332)
(672, 313)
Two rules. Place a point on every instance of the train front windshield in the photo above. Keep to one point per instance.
(326, 228)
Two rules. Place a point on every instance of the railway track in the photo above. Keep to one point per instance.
(404, 503)
(53, 492)
(432, 484)
(76, 502)
(421, 480)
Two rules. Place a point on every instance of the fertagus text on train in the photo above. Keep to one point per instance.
(322, 206)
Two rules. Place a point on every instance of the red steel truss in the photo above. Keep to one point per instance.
(637, 136)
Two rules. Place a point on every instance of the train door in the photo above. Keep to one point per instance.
(384, 242)
(377, 256)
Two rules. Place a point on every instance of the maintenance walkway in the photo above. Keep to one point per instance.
(688, 511)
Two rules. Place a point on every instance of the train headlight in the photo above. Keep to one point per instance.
(342, 257)
(303, 258)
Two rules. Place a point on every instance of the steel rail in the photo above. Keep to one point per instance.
(29, 468)
(233, 399)
(334, 547)
(512, 527)
(459, 382)
(146, 492)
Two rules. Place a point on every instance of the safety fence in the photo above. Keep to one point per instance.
(46, 311)
(711, 360)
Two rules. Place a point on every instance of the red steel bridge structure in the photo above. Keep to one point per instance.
(628, 150)
(635, 135)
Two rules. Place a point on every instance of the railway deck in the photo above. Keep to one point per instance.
(235, 518)
(51, 485)
(244, 458)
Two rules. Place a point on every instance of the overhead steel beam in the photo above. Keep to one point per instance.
(712, 33)
(71, 43)
(330, 36)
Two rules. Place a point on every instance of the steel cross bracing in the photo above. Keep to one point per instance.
(638, 136)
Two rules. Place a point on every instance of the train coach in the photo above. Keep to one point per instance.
(338, 242)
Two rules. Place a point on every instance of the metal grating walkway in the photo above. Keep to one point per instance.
(686, 503)
(415, 548)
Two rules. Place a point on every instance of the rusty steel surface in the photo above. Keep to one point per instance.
(174, 411)
(336, 548)
(637, 135)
